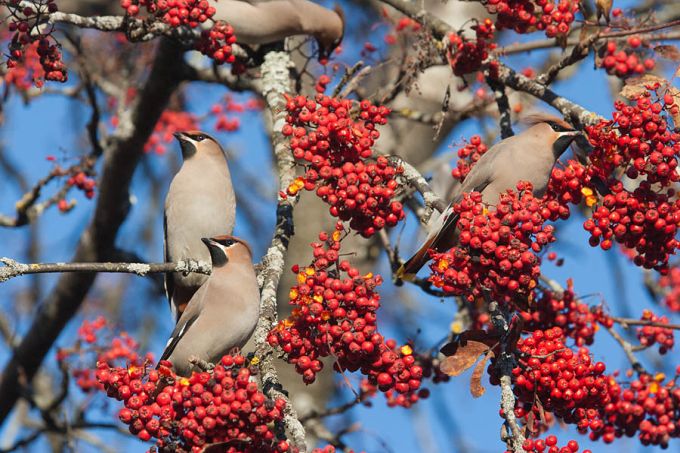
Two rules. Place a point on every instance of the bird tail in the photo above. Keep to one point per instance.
(410, 268)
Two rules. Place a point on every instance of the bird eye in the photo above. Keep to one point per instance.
(199, 137)
(229, 242)
(556, 127)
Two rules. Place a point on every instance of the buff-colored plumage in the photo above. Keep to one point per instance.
(200, 203)
(223, 313)
(261, 22)
(528, 156)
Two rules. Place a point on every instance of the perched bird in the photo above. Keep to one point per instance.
(528, 156)
(200, 203)
(223, 313)
(262, 22)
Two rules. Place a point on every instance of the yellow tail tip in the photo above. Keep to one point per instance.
(402, 275)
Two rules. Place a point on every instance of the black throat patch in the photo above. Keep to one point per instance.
(188, 149)
(217, 256)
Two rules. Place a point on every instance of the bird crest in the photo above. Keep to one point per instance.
(537, 118)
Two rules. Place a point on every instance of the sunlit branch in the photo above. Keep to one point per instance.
(13, 269)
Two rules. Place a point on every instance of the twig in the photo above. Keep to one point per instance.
(13, 269)
(625, 322)
(333, 410)
(418, 182)
(505, 119)
(628, 350)
(276, 82)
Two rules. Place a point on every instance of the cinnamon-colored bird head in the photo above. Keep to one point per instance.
(225, 249)
(197, 142)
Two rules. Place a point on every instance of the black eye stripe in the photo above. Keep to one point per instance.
(558, 127)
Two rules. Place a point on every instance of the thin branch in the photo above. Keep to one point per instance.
(418, 182)
(13, 269)
(505, 119)
(628, 349)
(276, 82)
(625, 322)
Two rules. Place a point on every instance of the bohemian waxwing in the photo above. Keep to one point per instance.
(223, 313)
(262, 22)
(200, 203)
(528, 156)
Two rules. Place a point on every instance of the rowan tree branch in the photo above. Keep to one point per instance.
(418, 182)
(506, 75)
(13, 268)
(122, 151)
(276, 81)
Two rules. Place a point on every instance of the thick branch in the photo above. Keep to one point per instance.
(14, 269)
(275, 83)
(122, 152)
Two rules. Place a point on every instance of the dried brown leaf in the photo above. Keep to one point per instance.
(476, 387)
(668, 52)
(636, 86)
(464, 358)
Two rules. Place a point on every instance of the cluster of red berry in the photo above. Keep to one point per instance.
(562, 309)
(171, 121)
(173, 12)
(625, 62)
(335, 137)
(671, 284)
(468, 155)
(83, 182)
(496, 249)
(565, 382)
(650, 335)
(404, 26)
(430, 371)
(23, 22)
(640, 142)
(95, 345)
(335, 315)
(524, 16)
(549, 445)
(647, 407)
(215, 42)
(322, 83)
(229, 105)
(567, 186)
(466, 55)
(186, 414)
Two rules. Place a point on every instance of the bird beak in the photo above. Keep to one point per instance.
(186, 145)
(563, 141)
(207, 241)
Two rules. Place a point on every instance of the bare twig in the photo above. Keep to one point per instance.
(625, 322)
(418, 182)
(13, 269)
(628, 349)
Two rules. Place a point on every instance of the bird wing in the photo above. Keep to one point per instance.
(480, 176)
(180, 330)
(169, 283)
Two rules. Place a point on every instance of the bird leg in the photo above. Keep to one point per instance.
(200, 363)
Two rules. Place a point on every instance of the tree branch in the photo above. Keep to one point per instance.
(14, 269)
(276, 82)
